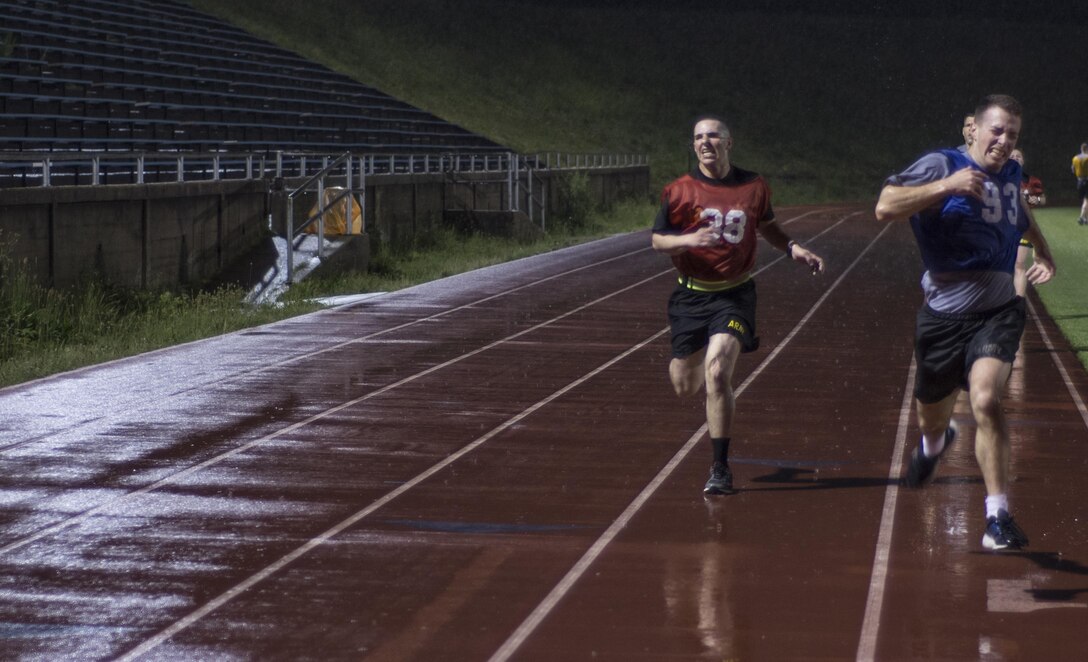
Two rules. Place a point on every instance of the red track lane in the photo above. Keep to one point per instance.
(494, 466)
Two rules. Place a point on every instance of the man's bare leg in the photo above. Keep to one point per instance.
(988, 378)
(721, 358)
(992, 450)
(934, 420)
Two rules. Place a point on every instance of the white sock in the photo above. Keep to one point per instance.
(995, 503)
(933, 447)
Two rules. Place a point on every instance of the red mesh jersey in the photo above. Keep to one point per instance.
(734, 206)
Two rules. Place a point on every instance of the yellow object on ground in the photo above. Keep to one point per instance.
(335, 215)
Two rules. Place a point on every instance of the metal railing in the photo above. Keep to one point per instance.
(344, 166)
(33, 169)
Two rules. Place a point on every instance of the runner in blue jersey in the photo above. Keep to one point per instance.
(968, 217)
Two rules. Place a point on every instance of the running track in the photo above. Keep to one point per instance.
(494, 467)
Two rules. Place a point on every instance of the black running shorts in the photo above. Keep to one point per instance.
(947, 345)
(1082, 188)
(694, 316)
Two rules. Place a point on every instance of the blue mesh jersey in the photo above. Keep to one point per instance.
(968, 245)
(965, 233)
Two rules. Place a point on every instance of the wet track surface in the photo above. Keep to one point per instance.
(494, 467)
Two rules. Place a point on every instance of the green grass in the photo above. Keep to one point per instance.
(44, 331)
(448, 252)
(116, 325)
(1064, 296)
(825, 106)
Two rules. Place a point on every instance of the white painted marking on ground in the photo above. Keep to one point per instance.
(515, 640)
(878, 579)
(329, 348)
(297, 553)
(1016, 596)
(1077, 400)
(174, 478)
(278, 565)
(999, 594)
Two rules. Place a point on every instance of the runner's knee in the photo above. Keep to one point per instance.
(686, 379)
(985, 404)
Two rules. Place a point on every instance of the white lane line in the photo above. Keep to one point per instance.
(1077, 400)
(870, 625)
(874, 605)
(156, 404)
(297, 553)
(361, 338)
(268, 571)
(174, 478)
(518, 637)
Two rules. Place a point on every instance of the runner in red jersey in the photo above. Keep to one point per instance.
(708, 223)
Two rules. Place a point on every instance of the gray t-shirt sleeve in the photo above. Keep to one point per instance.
(929, 168)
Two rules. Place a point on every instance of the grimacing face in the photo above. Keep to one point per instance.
(712, 143)
(996, 133)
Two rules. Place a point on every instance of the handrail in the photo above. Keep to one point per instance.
(32, 168)
(320, 175)
(322, 207)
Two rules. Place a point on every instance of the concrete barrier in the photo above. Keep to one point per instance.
(140, 236)
(172, 235)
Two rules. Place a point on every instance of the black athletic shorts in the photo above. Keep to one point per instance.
(1082, 188)
(694, 316)
(947, 345)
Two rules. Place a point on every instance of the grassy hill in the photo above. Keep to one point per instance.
(826, 101)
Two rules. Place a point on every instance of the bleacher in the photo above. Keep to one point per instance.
(158, 76)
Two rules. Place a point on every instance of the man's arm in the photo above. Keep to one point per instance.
(897, 203)
(674, 244)
(1042, 268)
(778, 238)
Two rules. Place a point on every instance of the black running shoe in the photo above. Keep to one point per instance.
(922, 469)
(1002, 533)
(720, 481)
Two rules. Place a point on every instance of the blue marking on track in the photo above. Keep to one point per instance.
(800, 463)
(481, 527)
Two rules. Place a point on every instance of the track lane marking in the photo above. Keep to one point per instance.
(361, 338)
(173, 478)
(195, 616)
(874, 604)
(157, 404)
(1073, 393)
(322, 538)
(538, 615)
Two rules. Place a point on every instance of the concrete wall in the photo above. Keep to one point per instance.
(183, 234)
(143, 236)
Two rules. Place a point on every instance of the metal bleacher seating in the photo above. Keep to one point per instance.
(158, 76)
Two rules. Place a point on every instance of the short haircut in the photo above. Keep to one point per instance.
(712, 117)
(1084, 147)
(1002, 101)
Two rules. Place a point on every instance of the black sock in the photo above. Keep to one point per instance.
(721, 449)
